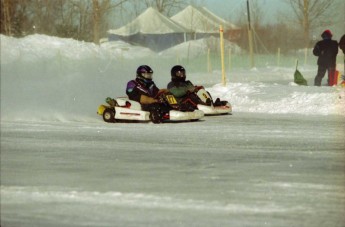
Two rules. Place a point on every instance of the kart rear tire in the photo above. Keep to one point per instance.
(109, 115)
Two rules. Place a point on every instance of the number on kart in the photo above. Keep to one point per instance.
(171, 99)
(205, 96)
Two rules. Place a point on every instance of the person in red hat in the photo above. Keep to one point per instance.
(326, 50)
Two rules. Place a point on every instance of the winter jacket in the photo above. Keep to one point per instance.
(180, 88)
(136, 88)
(326, 50)
(342, 43)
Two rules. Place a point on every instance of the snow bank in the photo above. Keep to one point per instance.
(34, 47)
(259, 97)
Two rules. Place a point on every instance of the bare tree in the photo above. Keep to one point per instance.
(311, 14)
(78, 20)
(6, 17)
(99, 12)
(14, 18)
(166, 7)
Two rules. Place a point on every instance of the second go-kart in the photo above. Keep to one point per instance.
(206, 104)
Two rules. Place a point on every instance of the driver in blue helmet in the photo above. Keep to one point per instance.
(143, 90)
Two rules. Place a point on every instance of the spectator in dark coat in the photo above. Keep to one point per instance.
(326, 50)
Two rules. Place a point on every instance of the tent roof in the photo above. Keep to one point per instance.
(150, 22)
(219, 19)
(201, 20)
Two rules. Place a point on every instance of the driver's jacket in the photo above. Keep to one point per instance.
(180, 88)
(136, 88)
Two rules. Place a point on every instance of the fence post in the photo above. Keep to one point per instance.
(278, 57)
(209, 66)
(222, 54)
(230, 59)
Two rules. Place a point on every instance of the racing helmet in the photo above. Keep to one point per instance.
(144, 72)
(178, 73)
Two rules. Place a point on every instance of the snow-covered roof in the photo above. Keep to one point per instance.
(149, 22)
(201, 20)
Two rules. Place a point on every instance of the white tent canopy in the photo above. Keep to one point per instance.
(201, 20)
(158, 32)
(151, 29)
(149, 22)
(214, 17)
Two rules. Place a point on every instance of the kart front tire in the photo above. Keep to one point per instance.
(155, 117)
(109, 115)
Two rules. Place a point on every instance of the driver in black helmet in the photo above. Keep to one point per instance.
(184, 90)
(143, 89)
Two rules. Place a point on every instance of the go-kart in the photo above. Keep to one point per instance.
(206, 104)
(124, 109)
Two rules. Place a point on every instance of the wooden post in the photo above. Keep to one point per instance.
(250, 38)
(222, 53)
(229, 59)
(251, 52)
(209, 67)
(305, 55)
(278, 57)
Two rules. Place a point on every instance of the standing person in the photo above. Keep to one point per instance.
(326, 50)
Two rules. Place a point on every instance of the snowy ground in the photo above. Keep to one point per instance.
(279, 160)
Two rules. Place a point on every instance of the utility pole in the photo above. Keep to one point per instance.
(221, 31)
(250, 38)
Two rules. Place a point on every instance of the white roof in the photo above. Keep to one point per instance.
(201, 20)
(149, 22)
(218, 19)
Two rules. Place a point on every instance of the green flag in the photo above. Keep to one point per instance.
(298, 77)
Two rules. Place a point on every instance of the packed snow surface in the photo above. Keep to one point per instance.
(278, 160)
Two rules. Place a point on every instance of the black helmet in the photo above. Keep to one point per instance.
(178, 73)
(144, 72)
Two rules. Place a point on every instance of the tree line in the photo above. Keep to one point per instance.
(89, 20)
(81, 20)
(292, 29)
(86, 20)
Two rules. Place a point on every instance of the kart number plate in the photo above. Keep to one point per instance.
(171, 99)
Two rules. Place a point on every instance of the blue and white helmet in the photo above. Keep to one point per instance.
(144, 72)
